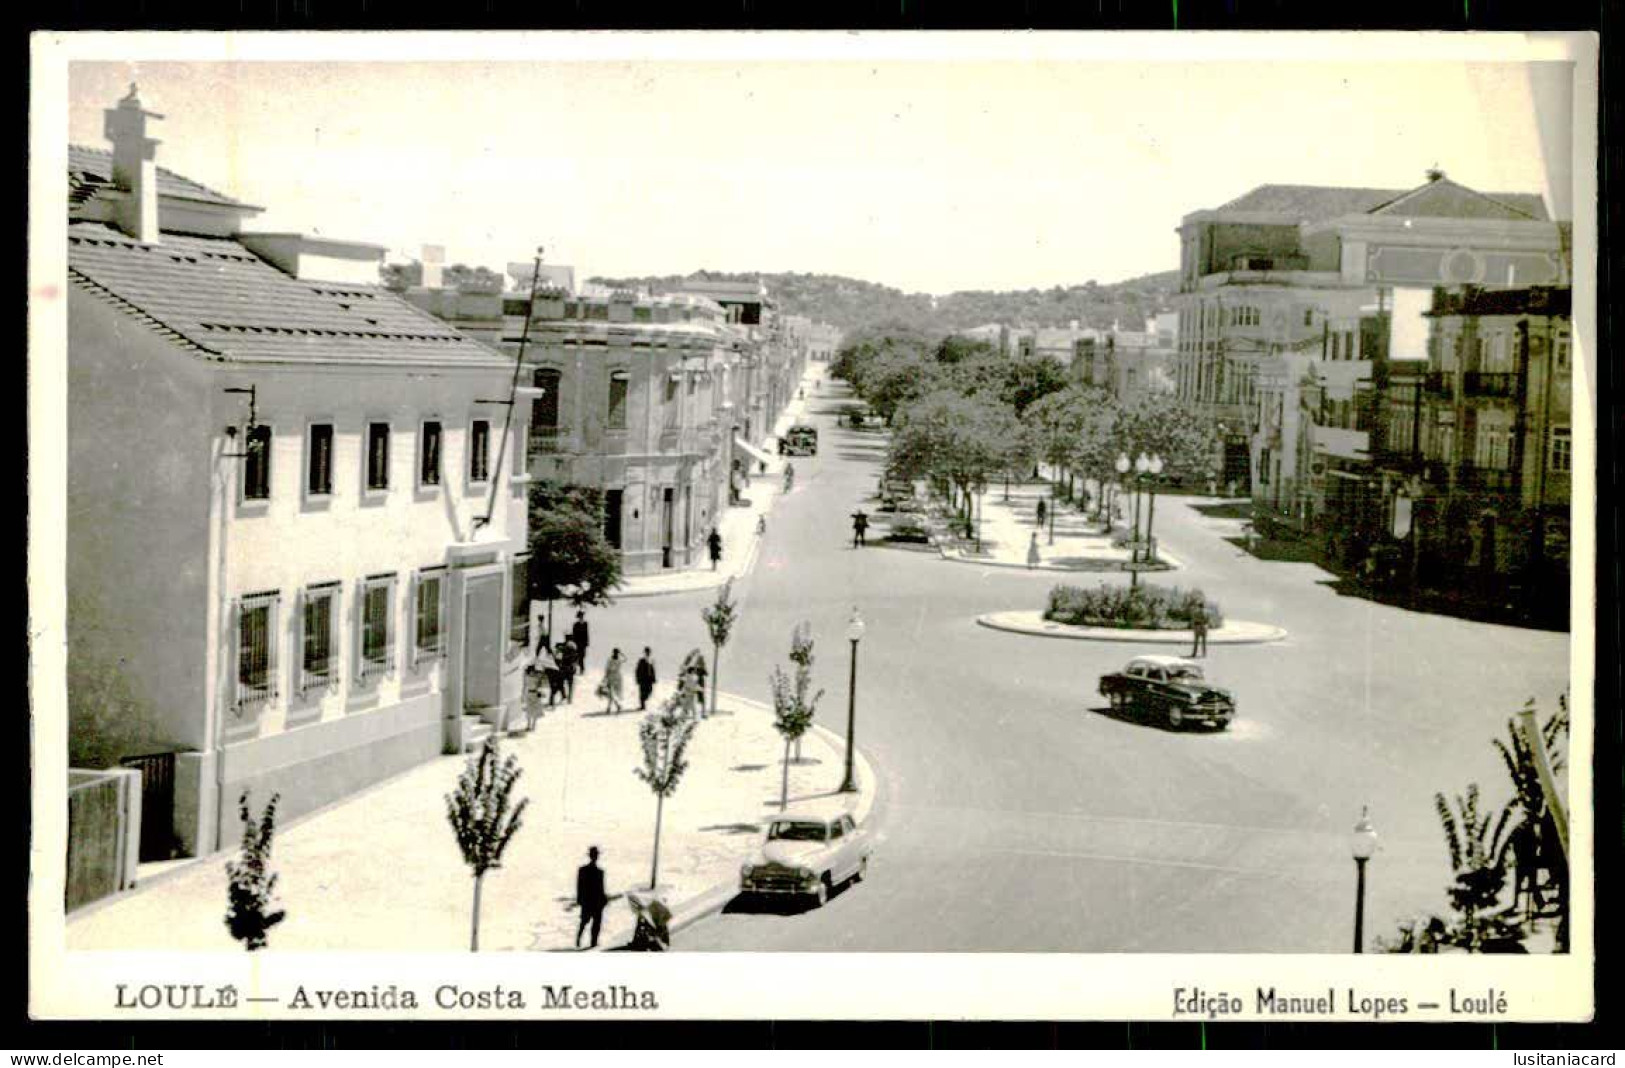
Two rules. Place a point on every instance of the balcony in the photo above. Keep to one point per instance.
(1439, 383)
(551, 440)
(1490, 384)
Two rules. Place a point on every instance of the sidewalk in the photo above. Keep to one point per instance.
(381, 871)
(1008, 526)
(737, 524)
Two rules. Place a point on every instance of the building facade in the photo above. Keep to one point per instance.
(1295, 302)
(295, 542)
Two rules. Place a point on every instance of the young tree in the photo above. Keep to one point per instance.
(1477, 856)
(569, 554)
(664, 736)
(719, 622)
(251, 883)
(793, 706)
(480, 818)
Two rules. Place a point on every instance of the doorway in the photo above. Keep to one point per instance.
(483, 634)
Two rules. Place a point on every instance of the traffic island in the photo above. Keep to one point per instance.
(1232, 632)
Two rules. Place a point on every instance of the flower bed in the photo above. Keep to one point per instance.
(1131, 608)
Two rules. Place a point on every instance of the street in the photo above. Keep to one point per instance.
(1014, 816)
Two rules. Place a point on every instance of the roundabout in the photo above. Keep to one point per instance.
(1033, 623)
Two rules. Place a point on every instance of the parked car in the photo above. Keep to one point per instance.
(799, 440)
(1169, 688)
(806, 855)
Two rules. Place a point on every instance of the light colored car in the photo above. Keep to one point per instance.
(806, 855)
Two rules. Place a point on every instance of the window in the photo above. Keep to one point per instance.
(316, 665)
(257, 464)
(1560, 352)
(519, 604)
(479, 450)
(377, 636)
(544, 410)
(429, 454)
(618, 382)
(377, 456)
(428, 608)
(1562, 458)
(1309, 317)
(319, 478)
(256, 648)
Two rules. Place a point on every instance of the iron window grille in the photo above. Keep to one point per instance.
(519, 601)
(378, 456)
(318, 668)
(618, 383)
(479, 450)
(256, 649)
(319, 479)
(257, 464)
(429, 457)
(377, 645)
(428, 614)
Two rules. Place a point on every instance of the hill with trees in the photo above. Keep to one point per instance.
(858, 306)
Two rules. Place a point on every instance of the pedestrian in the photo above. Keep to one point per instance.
(1043, 511)
(761, 525)
(1032, 552)
(579, 634)
(1199, 633)
(860, 526)
(714, 544)
(691, 683)
(568, 666)
(590, 897)
(547, 659)
(609, 687)
(644, 675)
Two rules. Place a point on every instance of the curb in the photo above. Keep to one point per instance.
(954, 555)
(1032, 624)
(714, 897)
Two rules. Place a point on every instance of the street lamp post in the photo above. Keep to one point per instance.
(1362, 843)
(1142, 464)
(1122, 465)
(854, 634)
(1153, 468)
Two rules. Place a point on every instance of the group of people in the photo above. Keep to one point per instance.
(559, 664)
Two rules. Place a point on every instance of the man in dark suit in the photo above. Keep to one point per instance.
(590, 896)
(569, 663)
(645, 677)
(578, 631)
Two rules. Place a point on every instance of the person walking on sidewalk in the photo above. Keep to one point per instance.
(568, 666)
(580, 634)
(789, 476)
(547, 662)
(1199, 634)
(609, 687)
(1032, 551)
(590, 897)
(644, 675)
(714, 544)
(860, 527)
(1043, 511)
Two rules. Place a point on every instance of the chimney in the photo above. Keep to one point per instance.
(134, 169)
(434, 259)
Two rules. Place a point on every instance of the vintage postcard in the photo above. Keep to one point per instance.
(1023, 526)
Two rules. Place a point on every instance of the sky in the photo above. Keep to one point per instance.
(927, 174)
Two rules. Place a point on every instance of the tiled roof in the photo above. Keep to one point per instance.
(95, 166)
(1451, 200)
(1315, 203)
(225, 301)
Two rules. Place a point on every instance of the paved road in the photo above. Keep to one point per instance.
(1018, 817)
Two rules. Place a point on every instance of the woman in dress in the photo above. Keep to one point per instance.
(1032, 551)
(610, 688)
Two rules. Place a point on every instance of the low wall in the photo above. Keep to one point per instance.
(104, 833)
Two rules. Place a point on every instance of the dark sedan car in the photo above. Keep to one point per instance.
(1169, 688)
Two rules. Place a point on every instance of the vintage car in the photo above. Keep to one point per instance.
(799, 440)
(806, 855)
(1169, 688)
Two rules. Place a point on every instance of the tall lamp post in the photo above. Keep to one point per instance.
(1142, 464)
(1362, 843)
(1122, 465)
(1153, 467)
(854, 634)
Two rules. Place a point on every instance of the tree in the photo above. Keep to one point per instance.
(1477, 856)
(793, 708)
(719, 621)
(1533, 838)
(251, 884)
(664, 736)
(1183, 435)
(569, 554)
(480, 818)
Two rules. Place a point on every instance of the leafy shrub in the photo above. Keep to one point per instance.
(1131, 607)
